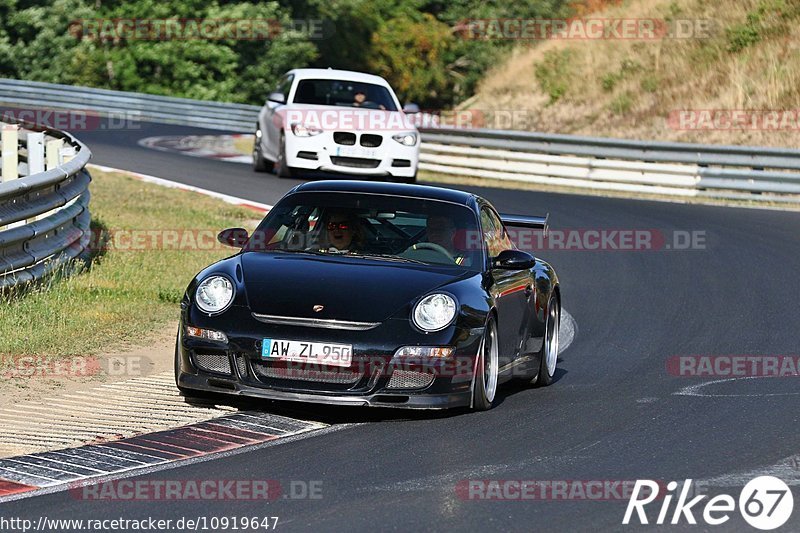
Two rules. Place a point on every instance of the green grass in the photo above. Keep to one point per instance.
(125, 295)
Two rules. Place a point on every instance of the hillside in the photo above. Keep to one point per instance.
(749, 59)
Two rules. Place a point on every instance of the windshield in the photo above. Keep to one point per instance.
(387, 228)
(344, 93)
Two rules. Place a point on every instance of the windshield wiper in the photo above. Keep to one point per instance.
(390, 257)
(297, 251)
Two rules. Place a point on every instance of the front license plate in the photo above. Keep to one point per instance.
(356, 151)
(307, 352)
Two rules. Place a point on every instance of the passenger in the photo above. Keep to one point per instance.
(342, 232)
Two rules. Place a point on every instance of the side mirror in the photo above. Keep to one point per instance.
(236, 237)
(513, 260)
(276, 97)
(411, 108)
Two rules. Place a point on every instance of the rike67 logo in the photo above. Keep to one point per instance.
(765, 503)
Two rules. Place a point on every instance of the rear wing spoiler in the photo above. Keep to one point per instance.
(525, 221)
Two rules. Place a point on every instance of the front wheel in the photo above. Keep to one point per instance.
(260, 163)
(549, 359)
(484, 385)
(281, 168)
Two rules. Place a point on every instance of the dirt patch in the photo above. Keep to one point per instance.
(34, 378)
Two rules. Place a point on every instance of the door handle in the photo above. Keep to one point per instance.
(528, 291)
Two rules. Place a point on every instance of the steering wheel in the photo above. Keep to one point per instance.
(431, 246)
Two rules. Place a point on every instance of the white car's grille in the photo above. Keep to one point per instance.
(371, 141)
(344, 137)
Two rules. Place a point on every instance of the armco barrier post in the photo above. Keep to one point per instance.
(53, 153)
(36, 160)
(10, 142)
(35, 152)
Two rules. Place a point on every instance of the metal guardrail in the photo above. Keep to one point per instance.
(631, 166)
(146, 107)
(44, 217)
(673, 169)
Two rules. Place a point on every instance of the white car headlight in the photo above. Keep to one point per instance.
(406, 139)
(301, 130)
(214, 294)
(434, 312)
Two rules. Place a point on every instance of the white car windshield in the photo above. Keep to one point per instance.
(344, 93)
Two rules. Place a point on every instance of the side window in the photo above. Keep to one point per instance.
(494, 233)
(284, 86)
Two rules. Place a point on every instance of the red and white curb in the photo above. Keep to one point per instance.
(219, 147)
(22, 476)
(242, 202)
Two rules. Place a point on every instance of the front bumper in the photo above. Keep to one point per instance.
(375, 378)
(205, 383)
(321, 152)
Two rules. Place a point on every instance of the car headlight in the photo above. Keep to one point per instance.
(301, 130)
(214, 294)
(406, 139)
(434, 312)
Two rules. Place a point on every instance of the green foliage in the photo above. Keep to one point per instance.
(37, 43)
(413, 43)
(419, 76)
(610, 79)
(622, 103)
(771, 18)
(650, 84)
(552, 73)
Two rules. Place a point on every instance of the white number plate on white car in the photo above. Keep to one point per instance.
(356, 151)
(307, 352)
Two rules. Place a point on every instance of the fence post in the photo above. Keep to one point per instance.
(10, 152)
(35, 152)
(53, 153)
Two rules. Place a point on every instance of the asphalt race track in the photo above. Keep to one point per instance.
(615, 412)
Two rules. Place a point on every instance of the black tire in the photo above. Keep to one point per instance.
(281, 168)
(551, 342)
(260, 163)
(482, 395)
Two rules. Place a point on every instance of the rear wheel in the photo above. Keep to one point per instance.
(549, 359)
(484, 386)
(260, 163)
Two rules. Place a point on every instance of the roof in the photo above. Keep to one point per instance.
(335, 74)
(393, 189)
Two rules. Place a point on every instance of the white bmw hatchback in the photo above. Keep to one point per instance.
(336, 121)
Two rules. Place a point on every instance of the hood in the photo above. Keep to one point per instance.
(362, 290)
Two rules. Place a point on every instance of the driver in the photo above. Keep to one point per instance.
(441, 230)
(360, 98)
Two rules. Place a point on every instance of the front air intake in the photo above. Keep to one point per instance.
(209, 362)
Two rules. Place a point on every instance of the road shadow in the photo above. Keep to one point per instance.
(336, 414)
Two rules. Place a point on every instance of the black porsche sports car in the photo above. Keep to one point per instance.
(380, 294)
